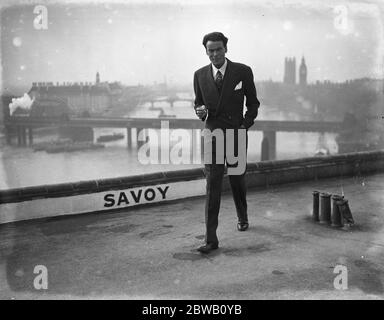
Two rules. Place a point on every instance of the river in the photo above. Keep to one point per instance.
(21, 166)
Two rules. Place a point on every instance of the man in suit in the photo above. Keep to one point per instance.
(220, 88)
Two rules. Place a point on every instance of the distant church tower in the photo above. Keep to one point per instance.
(290, 70)
(97, 78)
(303, 73)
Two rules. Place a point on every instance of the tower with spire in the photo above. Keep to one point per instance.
(97, 78)
(303, 73)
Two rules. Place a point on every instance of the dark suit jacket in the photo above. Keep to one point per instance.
(228, 106)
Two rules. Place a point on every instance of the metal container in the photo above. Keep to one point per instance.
(345, 212)
(336, 218)
(325, 208)
(315, 210)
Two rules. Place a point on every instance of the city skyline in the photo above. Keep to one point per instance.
(123, 42)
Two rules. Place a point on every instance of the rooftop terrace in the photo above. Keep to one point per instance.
(149, 252)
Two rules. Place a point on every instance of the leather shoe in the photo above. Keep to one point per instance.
(208, 247)
(242, 226)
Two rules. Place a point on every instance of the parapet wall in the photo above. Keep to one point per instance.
(122, 193)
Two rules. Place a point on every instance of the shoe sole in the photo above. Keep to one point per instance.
(244, 229)
(207, 251)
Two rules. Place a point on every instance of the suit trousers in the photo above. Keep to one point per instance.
(214, 173)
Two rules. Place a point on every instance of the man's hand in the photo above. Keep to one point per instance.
(201, 112)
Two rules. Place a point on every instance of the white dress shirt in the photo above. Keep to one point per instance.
(222, 69)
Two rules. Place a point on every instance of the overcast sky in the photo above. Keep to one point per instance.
(142, 43)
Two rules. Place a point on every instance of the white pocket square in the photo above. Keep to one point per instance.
(239, 85)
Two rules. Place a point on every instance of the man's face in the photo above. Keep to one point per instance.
(216, 52)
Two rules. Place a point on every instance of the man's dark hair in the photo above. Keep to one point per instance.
(215, 36)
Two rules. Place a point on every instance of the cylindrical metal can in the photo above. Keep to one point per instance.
(315, 210)
(336, 220)
(325, 208)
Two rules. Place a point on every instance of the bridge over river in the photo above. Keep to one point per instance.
(23, 127)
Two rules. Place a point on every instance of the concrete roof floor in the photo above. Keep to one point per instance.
(149, 252)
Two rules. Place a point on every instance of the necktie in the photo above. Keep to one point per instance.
(219, 80)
